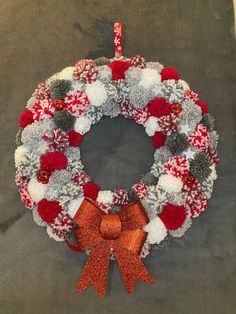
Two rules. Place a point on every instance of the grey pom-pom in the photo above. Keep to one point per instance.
(149, 179)
(140, 96)
(177, 143)
(18, 137)
(64, 120)
(132, 195)
(200, 167)
(208, 121)
(59, 88)
(102, 61)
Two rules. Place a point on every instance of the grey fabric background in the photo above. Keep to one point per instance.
(196, 274)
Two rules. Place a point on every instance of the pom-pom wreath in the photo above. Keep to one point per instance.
(173, 216)
(158, 139)
(26, 118)
(75, 138)
(53, 161)
(200, 166)
(50, 173)
(118, 68)
(48, 211)
(177, 143)
(91, 190)
(59, 88)
(64, 120)
(169, 74)
(159, 107)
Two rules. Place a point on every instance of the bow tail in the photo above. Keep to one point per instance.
(96, 269)
(131, 268)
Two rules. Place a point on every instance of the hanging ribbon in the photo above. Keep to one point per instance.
(118, 40)
(120, 233)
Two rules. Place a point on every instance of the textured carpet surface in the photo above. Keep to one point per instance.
(196, 274)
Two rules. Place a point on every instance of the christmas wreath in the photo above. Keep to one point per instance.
(63, 197)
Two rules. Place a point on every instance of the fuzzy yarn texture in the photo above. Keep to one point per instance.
(91, 190)
(64, 120)
(173, 216)
(59, 88)
(169, 74)
(48, 211)
(53, 161)
(158, 139)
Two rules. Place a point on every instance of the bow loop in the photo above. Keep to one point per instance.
(133, 216)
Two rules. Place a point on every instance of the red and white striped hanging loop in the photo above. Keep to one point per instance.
(118, 39)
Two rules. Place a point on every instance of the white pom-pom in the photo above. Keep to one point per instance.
(82, 125)
(105, 197)
(213, 175)
(74, 205)
(20, 153)
(170, 183)
(156, 231)
(36, 190)
(96, 93)
(151, 126)
(66, 74)
(184, 84)
(149, 78)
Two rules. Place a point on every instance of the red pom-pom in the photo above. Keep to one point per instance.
(158, 139)
(173, 216)
(48, 210)
(26, 118)
(159, 107)
(91, 190)
(75, 138)
(53, 161)
(203, 106)
(169, 74)
(118, 68)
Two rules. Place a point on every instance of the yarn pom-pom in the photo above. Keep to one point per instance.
(82, 125)
(59, 88)
(105, 197)
(91, 190)
(203, 106)
(118, 68)
(159, 107)
(158, 139)
(169, 74)
(170, 183)
(26, 118)
(75, 138)
(36, 189)
(156, 231)
(173, 216)
(177, 143)
(48, 210)
(53, 161)
(64, 120)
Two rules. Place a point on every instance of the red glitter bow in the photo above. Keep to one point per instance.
(102, 233)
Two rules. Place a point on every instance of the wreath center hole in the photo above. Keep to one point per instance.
(116, 153)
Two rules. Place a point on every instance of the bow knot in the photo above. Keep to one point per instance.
(120, 233)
